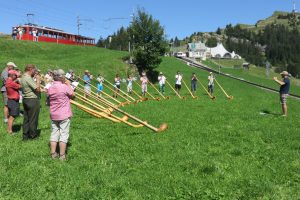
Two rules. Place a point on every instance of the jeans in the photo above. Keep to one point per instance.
(162, 88)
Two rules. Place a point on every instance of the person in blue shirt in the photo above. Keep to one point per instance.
(87, 77)
(284, 90)
(100, 80)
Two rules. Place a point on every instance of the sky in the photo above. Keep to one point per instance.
(101, 18)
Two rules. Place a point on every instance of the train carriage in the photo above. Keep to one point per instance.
(47, 34)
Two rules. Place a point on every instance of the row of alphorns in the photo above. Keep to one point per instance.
(109, 108)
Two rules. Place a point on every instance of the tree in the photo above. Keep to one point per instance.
(219, 31)
(148, 39)
(176, 42)
(211, 42)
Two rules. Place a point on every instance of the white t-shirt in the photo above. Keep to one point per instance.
(211, 80)
(162, 80)
(178, 78)
(34, 33)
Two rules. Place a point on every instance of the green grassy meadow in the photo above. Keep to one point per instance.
(212, 149)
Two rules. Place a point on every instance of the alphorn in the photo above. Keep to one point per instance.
(212, 97)
(180, 97)
(106, 113)
(157, 90)
(162, 127)
(119, 102)
(120, 90)
(229, 97)
(148, 92)
(194, 97)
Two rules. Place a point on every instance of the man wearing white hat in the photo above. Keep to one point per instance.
(284, 90)
(4, 76)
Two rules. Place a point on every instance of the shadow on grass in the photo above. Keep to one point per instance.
(267, 112)
(16, 128)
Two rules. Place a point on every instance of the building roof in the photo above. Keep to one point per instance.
(219, 49)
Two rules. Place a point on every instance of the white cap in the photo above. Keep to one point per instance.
(11, 64)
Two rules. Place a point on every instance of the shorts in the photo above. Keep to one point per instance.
(13, 108)
(177, 86)
(283, 98)
(144, 88)
(100, 88)
(87, 89)
(129, 88)
(60, 130)
(118, 87)
(4, 95)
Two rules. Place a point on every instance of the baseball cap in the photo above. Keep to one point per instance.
(160, 73)
(11, 64)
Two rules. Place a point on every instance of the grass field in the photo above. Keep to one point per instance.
(212, 150)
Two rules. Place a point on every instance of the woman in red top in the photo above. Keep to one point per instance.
(12, 88)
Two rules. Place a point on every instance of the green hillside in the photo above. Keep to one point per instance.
(212, 149)
(50, 56)
(278, 17)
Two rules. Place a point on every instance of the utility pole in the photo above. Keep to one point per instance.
(78, 24)
(294, 7)
(30, 18)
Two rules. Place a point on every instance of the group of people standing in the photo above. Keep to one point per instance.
(26, 88)
(29, 85)
(17, 33)
(144, 81)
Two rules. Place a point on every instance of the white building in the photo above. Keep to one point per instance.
(199, 50)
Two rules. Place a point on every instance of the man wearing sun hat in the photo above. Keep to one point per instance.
(12, 88)
(284, 90)
(4, 76)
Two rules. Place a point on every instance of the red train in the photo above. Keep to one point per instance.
(33, 32)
